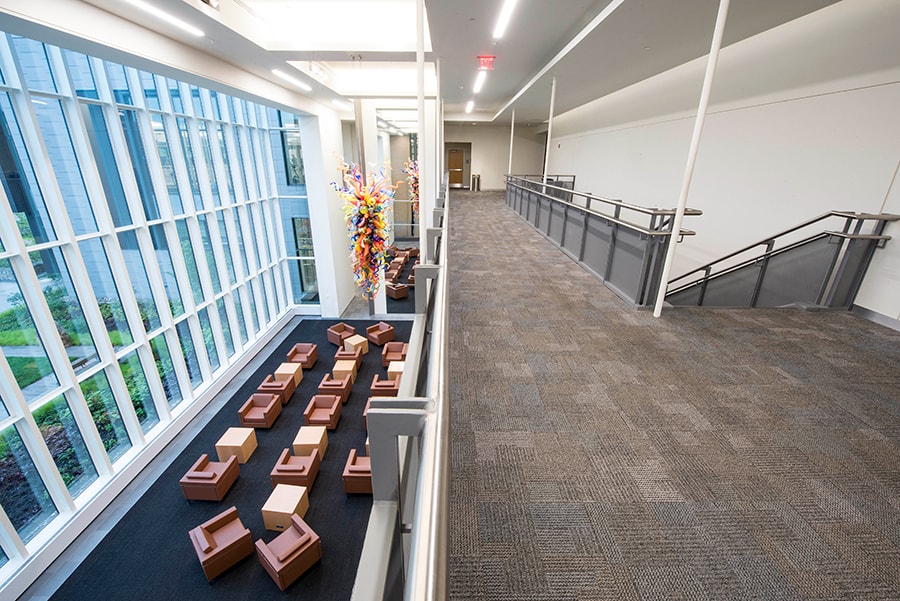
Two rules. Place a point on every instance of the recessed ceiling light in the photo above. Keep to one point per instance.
(470, 106)
(170, 19)
(503, 19)
(303, 86)
(479, 81)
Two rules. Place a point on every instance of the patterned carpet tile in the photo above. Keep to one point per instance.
(600, 453)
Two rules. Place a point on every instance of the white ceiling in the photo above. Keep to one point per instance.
(591, 47)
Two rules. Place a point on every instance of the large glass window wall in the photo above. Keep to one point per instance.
(108, 330)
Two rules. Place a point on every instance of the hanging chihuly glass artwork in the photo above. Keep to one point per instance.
(365, 211)
(411, 169)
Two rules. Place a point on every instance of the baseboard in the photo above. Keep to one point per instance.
(880, 319)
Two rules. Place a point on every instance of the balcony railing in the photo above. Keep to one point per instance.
(404, 555)
(622, 243)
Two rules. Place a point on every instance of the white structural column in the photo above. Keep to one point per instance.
(692, 154)
(512, 132)
(424, 206)
(549, 128)
(367, 138)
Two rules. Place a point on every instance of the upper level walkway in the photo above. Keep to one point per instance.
(599, 453)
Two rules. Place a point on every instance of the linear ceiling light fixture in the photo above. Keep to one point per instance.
(303, 86)
(164, 16)
(470, 106)
(479, 81)
(503, 19)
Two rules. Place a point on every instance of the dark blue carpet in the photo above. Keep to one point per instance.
(148, 555)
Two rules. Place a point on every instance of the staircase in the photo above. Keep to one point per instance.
(820, 263)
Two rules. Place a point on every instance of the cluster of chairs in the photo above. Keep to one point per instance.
(399, 258)
(223, 540)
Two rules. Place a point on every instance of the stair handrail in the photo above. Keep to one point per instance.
(770, 240)
(610, 201)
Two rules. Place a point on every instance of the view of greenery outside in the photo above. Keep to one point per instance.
(65, 443)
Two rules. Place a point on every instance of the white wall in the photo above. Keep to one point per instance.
(490, 150)
(781, 144)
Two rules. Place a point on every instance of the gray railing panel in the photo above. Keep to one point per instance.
(596, 245)
(574, 225)
(557, 218)
(732, 290)
(689, 297)
(627, 259)
(857, 254)
(797, 276)
(543, 213)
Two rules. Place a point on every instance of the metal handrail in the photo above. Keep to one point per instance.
(707, 268)
(747, 262)
(610, 201)
(618, 221)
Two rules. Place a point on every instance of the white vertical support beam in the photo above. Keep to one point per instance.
(549, 129)
(420, 111)
(692, 153)
(367, 123)
(512, 133)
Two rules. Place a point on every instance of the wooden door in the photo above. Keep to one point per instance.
(456, 166)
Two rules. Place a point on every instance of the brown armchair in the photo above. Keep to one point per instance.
(397, 291)
(221, 542)
(209, 480)
(381, 387)
(357, 474)
(304, 353)
(355, 355)
(291, 553)
(283, 388)
(323, 410)
(340, 387)
(338, 332)
(381, 333)
(297, 470)
(393, 351)
(260, 411)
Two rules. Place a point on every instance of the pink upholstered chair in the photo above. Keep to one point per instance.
(380, 333)
(221, 542)
(341, 387)
(291, 553)
(342, 355)
(338, 332)
(357, 474)
(381, 387)
(299, 470)
(323, 410)
(209, 480)
(260, 411)
(393, 351)
(304, 353)
(283, 388)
